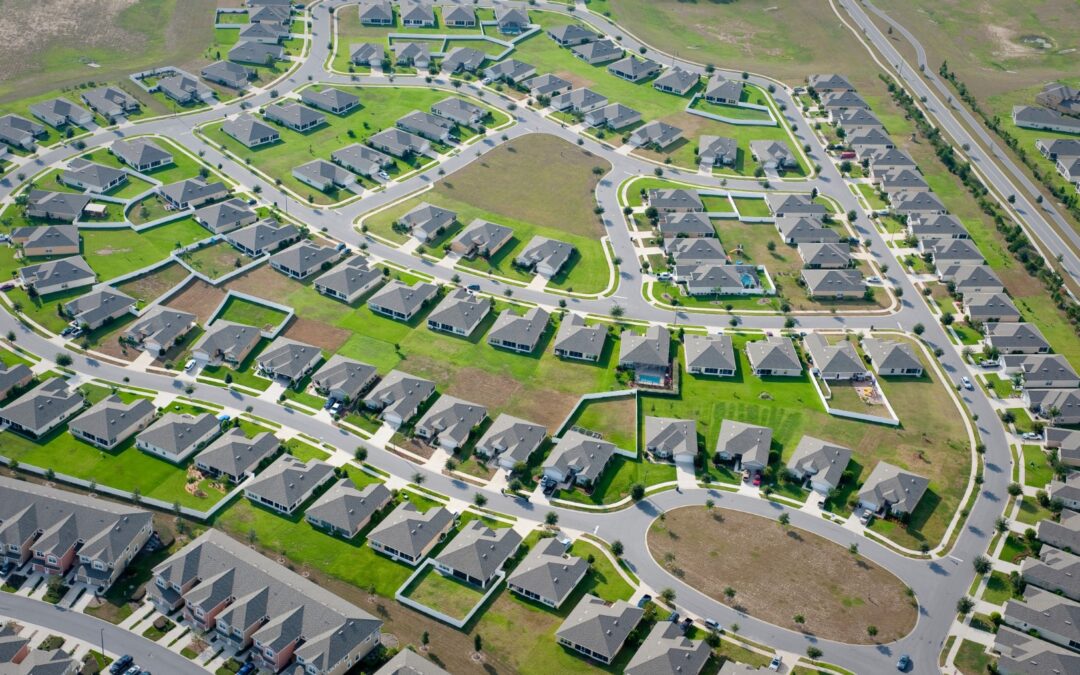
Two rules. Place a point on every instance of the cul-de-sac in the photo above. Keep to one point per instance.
(657, 337)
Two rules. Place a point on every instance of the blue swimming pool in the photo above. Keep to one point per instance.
(654, 380)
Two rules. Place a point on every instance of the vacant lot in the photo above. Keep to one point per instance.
(837, 593)
(150, 287)
(216, 260)
(444, 594)
(114, 253)
(198, 298)
(239, 310)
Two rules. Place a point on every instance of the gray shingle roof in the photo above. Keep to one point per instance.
(891, 355)
(250, 130)
(228, 73)
(675, 198)
(547, 84)
(830, 282)
(667, 651)
(344, 375)
(1045, 612)
(265, 235)
(228, 340)
(191, 189)
(670, 437)
(581, 100)
(897, 488)
(656, 132)
(294, 115)
(428, 219)
(288, 358)
(750, 441)
(835, 359)
(177, 433)
(825, 254)
(451, 418)
(140, 152)
(718, 147)
(407, 530)
(248, 51)
(56, 205)
(408, 662)
(288, 479)
(162, 324)
(1064, 534)
(49, 401)
(709, 351)
(112, 420)
(653, 349)
(346, 508)
(512, 438)
(351, 277)
(550, 252)
(803, 230)
(329, 98)
(990, 305)
(305, 258)
(460, 310)
(362, 159)
(463, 58)
(823, 460)
(521, 330)
(1055, 571)
(397, 296)
(548, 572)
(598, 51)
(1023, 653)
(483, 236)
(633, 68)
(234, 454)
(478, 550)
(99, 304)
(581, 455)
(47, 236)
(400, 393)
(91, 174)
(599, 627)
(774, 353)
(225, 216)
(677, 79)
(575, 336)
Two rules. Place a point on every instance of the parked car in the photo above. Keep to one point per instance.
(121, 664)
(1031, 436)
(866, 517)
(7, 286)
(473, 287)
(988, 363)
(775, 663)
(713, 624)
(903, 663)
(757, 480)
(246, 669)
(189, 366)
(645, 599)
(664, 276)
(384, 175)
(966, 381)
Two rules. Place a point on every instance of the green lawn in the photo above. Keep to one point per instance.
(1037, 470)
(998, 588)
(1013, 550)
(244, 373)
(1030, 512)
(350, 30)
(752, 208)
(239, 310)
(971, 658)
(872, 197)
(114, 253)
(216, 260)
(614, 419)
(1022, 420)
(1002, 386)
(184, 166)
(448, 595)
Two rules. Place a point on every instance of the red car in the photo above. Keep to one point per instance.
(757, 479)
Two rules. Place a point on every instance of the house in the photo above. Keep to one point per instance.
(710, 355)
(247, 600)
(449, 422)
(304, 259)
(459, 111)
(648, 355)
(578, 459)
(1069, 168)
(1053, 148)
(288, 360)
(890, 489)
(655, 134)
(891, 357)
(369, 54)
(478, 553)
(545, 256)
(86, 175)
(703, 278)
(415, 54)
(598, 629)
(463, 59)
(948, 252)
(99, 307)
(235, 457)
(271, 13)
(1042, 371)
(416, 14)
(868, 141)
(825, 255)
(1021, 653)
(344, 380)
(42, 240)
(722, 91)
(13, 377)
(398, 300)
(717, 150)
(192, 193)
(938, 227)
(59, 532)
(13, 647)
(65, 206)
(264, 32)
(795, 206)
(633, 69)
(834, 101)
(547, 85)
(459, 313)
(259, 53)
(571, 35)
(828, 82)
(426, 125)
(458, 16)
(510, 441)
(990, 307)
(519, 333)
(668, 650)
(1044, 119)
(843, 284)
(20, 132)
(1060, 98)
(362, 160)
(822, 463)
(578, 101)
(1055, 571)
(836, 361)
(613, 116)
(185, 90)
(295, 116)
(965, 279)
(408, 662)
(408, 535)
(748, 445)
(676, 81)
(399, 397)
(288, 482)
(1067, 490)
(330, 99)
(511, 20)
(112, 103)
(324, 176)
(265, 236)
(674, 200)
(857, 119)
(226, 342)
(668, 438)
(226, 216)
(141, 154)
(773, 155)
(691, 251)
(344, 510)
(159, 330)
(916, 202)
(42, 409)
(176, 437)
(597, 52)
(1047, 615)
(547, 574)
(399, 143)
(377, 13)
(1016, 338)
(59, 112)
(57, 275)
(886, 159)
(250, 131)
(577, 340)
(510, 71)
(349, 281)
(229, 74)
(685, 224)
(1064, 534)
(897, 180)
(1058, 406)
(774, 357)
(111, 421)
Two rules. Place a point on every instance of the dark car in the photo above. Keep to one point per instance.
(246, 669)
(473, 287)
(121, 664)
(904, 663)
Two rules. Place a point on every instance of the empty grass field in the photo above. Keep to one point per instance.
(114, 253)
(240, 310)
(444, 594)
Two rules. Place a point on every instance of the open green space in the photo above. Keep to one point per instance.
(619, 477)
(1031, 512)
(241, 310)
(1037, 469)
(448, 595)
(215, 260)
(971, 658)
(998, 589)
(615, 419)
(114, 253)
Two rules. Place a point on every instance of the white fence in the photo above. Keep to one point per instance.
(399, 595)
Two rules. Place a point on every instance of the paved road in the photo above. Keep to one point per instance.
(86, 628)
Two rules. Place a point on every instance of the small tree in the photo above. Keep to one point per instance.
(981, 564)
(637, 492)
(63, 360)
(709, 504)
(425, 638)
(813, 653)
(551, 518)
(480, 500)
(361, 454)
(668, 595)
(784, 519)
(964, 605)
(729, 593)
(853, 549)
(617, 548)
(871, 630)
(918, 329)
(1001, 525)
(478, 642)
(799, 619)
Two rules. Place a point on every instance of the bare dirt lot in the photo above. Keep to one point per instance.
(839, 595)
(198, 298)
(150, 287)
(324, 336)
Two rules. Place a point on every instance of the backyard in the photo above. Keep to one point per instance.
(448, 595)
(115, 253)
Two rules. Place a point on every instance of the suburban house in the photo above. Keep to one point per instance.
(192, 193)
(112, 103)
(1067, 444)
(667, 649)
(722, 91)
(459, 313)
(598, 629)
(655, 134)
(295, 116)
(248, 600)
(185, 90)
(886, 159)
(890, 489)
(748, 445)
(235, 457)
(226, 342)
(1045, 614)
(57, 275)
(426, 222)
(547, 85)
(773, 155)
(426, 125)
(511, 20)
(265, 236)
(111, 421)
(59, 112)
(687, 224)
(597, 52)
(92, 177)
(288, 482)
(1058, 406)
(141, 154)
(368, 54)
(250, 131)
(1019, 650)
(510, 71)
(671, 439)
(717, 150)
(949, 252)
(42, 240)
(20, 132)
(478, 553)
(544, 256)
(828, 82)
(399, 397)
(795, 206)
(377, 13)
(856, 119)
(414, 54)
(1053, 148)
(577, 340)
(159, 330)
(922, 203)
(716, 278)
(613, 116)
(648, 355)
(832, 101)
(571, 35)
(264, 32)
(58, 531)
(896, 180)
(42, 409)
(825, 255)
(397, 300)
(459, 111)
(579, 101)
(349, 281)
(304, 259)
(463, 59)
(1044, 119)
(710, 355)
(836, 361)
(547, 574)
(228, 74)
(1064, 534)
(458, 16)
(822, 463)
(1068, 490)
(774, 356)
(65, 206)
(675, 81)
(330, 99)
(633, 69)
(519, 333)
(398, 143)
(258, 53)
(845, 284)
(362, 160)
(226, 216)
(324, 176)
(449, 422)
(14, 377)
(408, 535)
(481, 238)
(175, 436)
(288, 360)
(797, 230)
(1042, 371)
(967, 279)
(1015, 338)
(408, 662)
(578, 458)
(990, 308)
(1060, 97)
(510, 440)
(99, 307)
(1055, 571)
(344, 510)
(938, 227)
(890, 357)
(343, 379)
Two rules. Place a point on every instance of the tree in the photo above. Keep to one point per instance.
(361, 454)
(871, 630)
(480, 500)
(637, 492)
(1001, 525)
(813, 653)
(853, 549)
(964, 605)
(709, 504)
(63, 360)
(729, 593)
(668, 595)
(617, 311)
(918, 329)
(478, 642)
(425, 638)
(617, 548)
(551, 518)
(418, 478)
(799, 619)
(981, 564)
(451, 464)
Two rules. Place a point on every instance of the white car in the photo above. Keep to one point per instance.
(775, 663)
(1031, 436)
(384, 175)
(966, 381)
(664, 276)
(189, 366)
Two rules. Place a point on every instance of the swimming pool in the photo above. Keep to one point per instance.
(653, 380)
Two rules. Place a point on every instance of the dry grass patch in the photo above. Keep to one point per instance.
(838, 594)
(198, 298)
(322, 335)
(152, 286)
